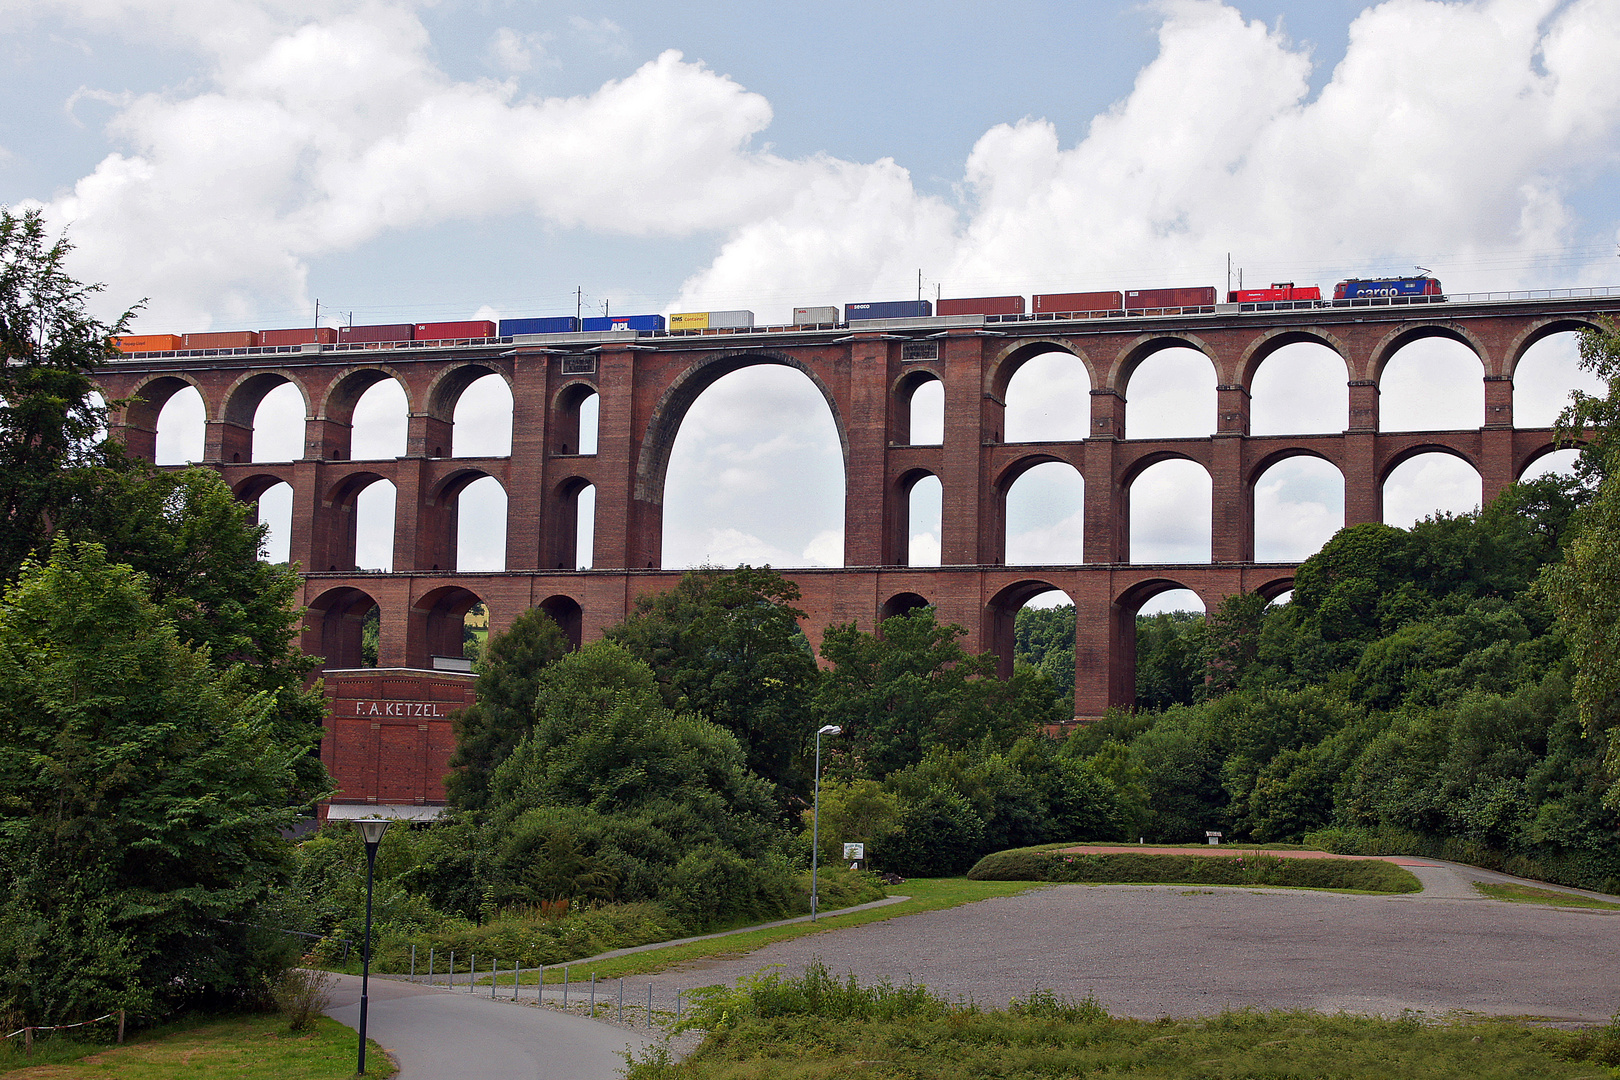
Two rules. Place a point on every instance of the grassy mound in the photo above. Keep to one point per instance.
(1245, 868)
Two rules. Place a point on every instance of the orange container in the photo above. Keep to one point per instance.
(304, 335)
(134, 343)
(228, 339)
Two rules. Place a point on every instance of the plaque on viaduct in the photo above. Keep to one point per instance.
(867, 372)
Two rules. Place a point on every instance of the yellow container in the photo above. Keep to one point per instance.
(692, 320)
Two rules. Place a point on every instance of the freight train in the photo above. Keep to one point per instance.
(1083, 305)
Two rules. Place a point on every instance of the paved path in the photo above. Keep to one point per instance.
(435, 1034)
(1155, 950)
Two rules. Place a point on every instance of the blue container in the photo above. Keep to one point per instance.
(557, 324)
(894, 309)
(624, 322)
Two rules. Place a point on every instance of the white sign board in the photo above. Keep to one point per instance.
(855, 851)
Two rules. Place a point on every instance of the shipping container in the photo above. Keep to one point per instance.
(303, 335)
(552, 324)
(1280, 292)
(892, 309)
(1202, 296)
(133, 343)
(983, 305)
(641, 323)
(227, 339)
(815, 316)
(442, 331)
(382, 332)
(1078, 301)
(1364, 288)
(712, 320)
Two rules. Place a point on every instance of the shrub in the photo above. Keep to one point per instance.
(1250, 868)
(301, 995)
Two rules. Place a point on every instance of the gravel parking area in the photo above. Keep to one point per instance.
(1152, 950)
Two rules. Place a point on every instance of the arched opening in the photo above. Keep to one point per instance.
(348, 625)
(575, 419)
(902, 604)
(275, 506)
(278, 425)
(1544, 377)
(374, 526)
(1300, 389)
(1171, 517)
(925, 518)
(1429, 483)
(1558, 462)
(1298, 506)
(1432, 384)
(1043, 638)
(181, 428)
(1046, 516)
(440, 630)
(566, 613)
(482, 419)
(381, 420)
(585, 527)
(925, 411)
(1049, 399)
(481, 526)
(1171, 395)
(755, 472)
(1169, 649)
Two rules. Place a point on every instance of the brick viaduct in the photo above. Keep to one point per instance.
(867, 375)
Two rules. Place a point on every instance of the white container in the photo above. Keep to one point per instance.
(810, 316)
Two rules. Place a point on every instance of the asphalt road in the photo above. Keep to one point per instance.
(438, 1035)
(1151, 951)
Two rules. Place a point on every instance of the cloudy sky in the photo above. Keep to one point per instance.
(234, 161)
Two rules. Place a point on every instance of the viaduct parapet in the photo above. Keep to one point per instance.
(867, 372)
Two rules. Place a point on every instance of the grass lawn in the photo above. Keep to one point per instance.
(1525, 894)
(926, 894)
(237, 1048)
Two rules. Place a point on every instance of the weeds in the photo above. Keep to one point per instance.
(301, 995)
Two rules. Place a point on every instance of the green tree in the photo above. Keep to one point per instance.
(49, 415)
(143, 790)
(1169, 659)
(508, 683)
(726, 645)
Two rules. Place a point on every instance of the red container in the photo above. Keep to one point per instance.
(355, 335)
(228, 339)
(982, 305)
(1079, 301)
(1136, 299)
(439, 331)
(133, 343)
(305, 335)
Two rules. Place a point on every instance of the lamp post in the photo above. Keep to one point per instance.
(371, 831)
(815, 817)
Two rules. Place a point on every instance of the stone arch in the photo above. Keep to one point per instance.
(1523, 460)
(451, 382)
(239, 408)
(566, 612)
(1007, 508)
(1539, 329)
(1005, 364)
(1280, 455)
(565, 407)
(1396, 340)
(1122, 632)
(1001, 613)
(562, 546)
(334, 545)
(1131, 356)
(652, 465)
(348, 385)
(1448, 490)
(1275, 587)
(1269, 342)
(336, 622)
(1272, 540)
(1142, 464)
(901, 393)
(434, 624)
(1407, 453)
(898, 545)
(248, 489)
(903, 603)
(146, 401)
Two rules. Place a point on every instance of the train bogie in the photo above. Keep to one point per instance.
(826, 315)
(554, 324)
(1138, 299)
(639, 323)
(982, 305)
(382, 333)
(134, 343)
(892, 309)
(1065, 303)
(449, 331)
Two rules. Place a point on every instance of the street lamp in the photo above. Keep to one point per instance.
(371, 831)
(815, 816)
